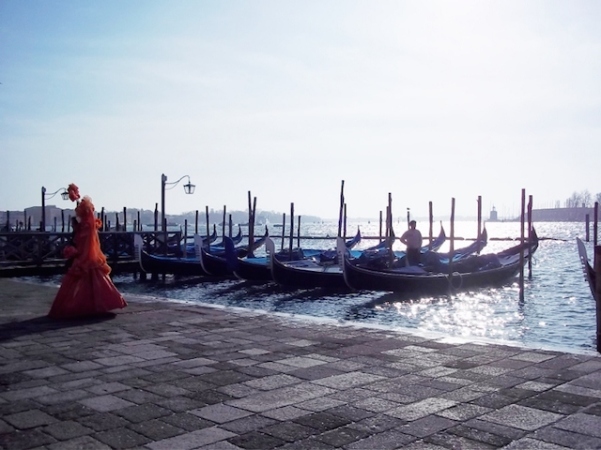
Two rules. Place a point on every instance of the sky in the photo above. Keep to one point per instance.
(428, 101)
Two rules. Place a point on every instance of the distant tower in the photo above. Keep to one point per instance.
(493, 215)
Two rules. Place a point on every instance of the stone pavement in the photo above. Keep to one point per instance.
(164, 375)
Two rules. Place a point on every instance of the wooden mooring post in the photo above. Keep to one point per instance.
(431, 223)
(595, 223)
(530, 206)
(522, 225)
(587, 226)
(597, 266)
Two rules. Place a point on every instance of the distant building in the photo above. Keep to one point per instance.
(493, 215)
(562, 214)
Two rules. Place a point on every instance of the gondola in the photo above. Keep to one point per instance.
(183, 265)
(189, 247)
(471, 272)
(223, 261)
(258, 268)
(587, 268)
(149, 263)
(379, 255)
(235, 239)
(311, 273)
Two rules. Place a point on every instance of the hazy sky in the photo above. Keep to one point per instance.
(427, 100)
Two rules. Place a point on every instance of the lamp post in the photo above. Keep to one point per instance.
(65, 196)
(188, 189)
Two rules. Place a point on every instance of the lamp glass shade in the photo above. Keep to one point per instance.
(189, 188)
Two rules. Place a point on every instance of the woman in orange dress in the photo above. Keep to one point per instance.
(87, 289)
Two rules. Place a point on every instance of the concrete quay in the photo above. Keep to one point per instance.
(166, 375)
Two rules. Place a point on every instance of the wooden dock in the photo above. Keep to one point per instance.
(26, 253)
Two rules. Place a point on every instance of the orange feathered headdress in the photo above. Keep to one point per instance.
(73, 191)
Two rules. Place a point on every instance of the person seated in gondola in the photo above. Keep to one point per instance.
(412, 238)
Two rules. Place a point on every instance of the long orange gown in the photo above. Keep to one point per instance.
(87, 289)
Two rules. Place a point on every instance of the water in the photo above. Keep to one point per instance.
(558, 311)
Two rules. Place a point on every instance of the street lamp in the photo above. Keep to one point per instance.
(65, 196)
(188, 189)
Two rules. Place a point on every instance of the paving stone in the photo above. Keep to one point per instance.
(345, 365)
(164, 375)
(82, 366)
(533, 444)
(533, 357)
(222, 378)
(464, 394)
(220, 413)
(579, 390)
(166, 390)
(310, 443)
(478, 435)
(142, 413)
(80, 443)
(80, 383)
(300, 362)
(29, 419)
(322, 421)
(28, 439)
(62, 397)
(522, 417)
(156, 429)
(375, 404)
(286, 413)
(247, 424)
(277, 398)
(67, 429)
(567, 438)
(102, 421)
(426, 426)
(125, 375)
(581, 423)
(463, 412)
(594, 410)
(289, 431)
(108, 388)
(420, 409)
(278, 367)
(273, 382)
(105, 403)
(448, 440)
(256, 440)
(493, 401)
(139, 396)
(423, 445)
(193, 384)
(46, 372)
(23, 394)
(377, 423)
(352, 395)
(500, 430)
(237, 390)
(5, 427)
(187, 421)
(320, 404)
(194, 439)
(386, 439)
(211, 397)
(342, 437)
(121, 438)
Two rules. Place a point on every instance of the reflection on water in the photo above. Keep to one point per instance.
(557, 312)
